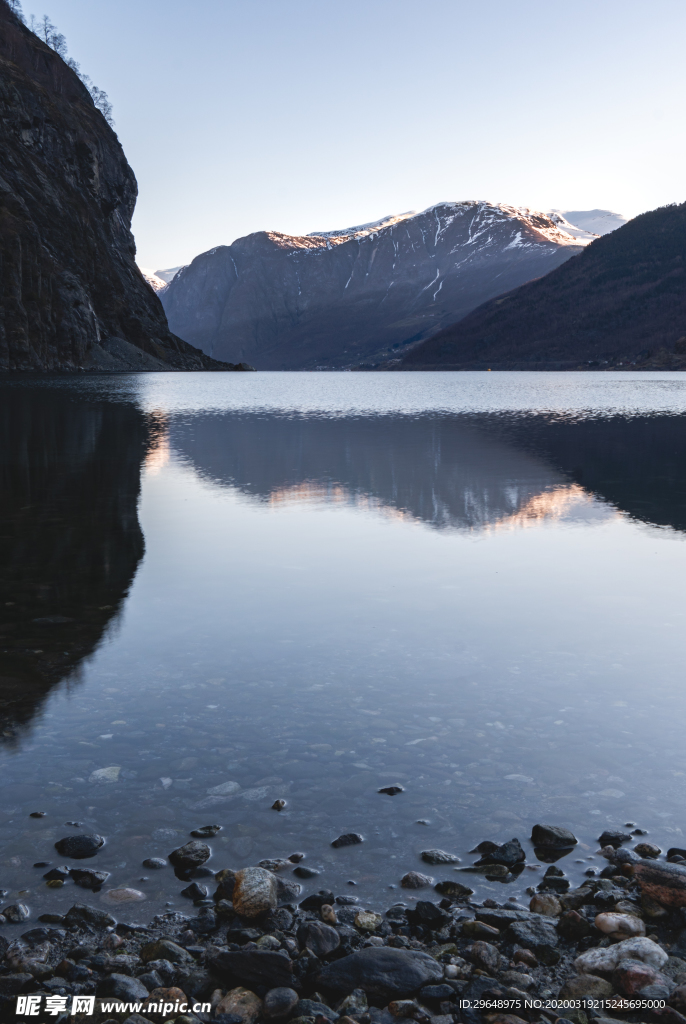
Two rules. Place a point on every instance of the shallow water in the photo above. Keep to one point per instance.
(316, 585)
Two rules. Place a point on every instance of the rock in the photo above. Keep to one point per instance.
(508, 855)
(630, 976)
(436, 993)
(121, 986)
(484, 955)
(287, 891)
(453, 890)
(256, 967)
(572, 926)
(356, 1002)
(367, 920)
(586, 986)
(105, 775)
(534, 934)
(57, 874)
(311, 1008)
(525, 956)
(606, 959)
(304, 872)
(415, 880)
(279, 1002)
(647, 850)
(190, 856)
(206, 831)
(382, 972)
(240, 1004)
(87, 878)
(439, 857)
(328, 914)
(316, 900)
(164, 949)
(620, 925)
(553, 835)
(13, 984)
(665, 883)
(403, 1008)
(545, 904)
(321, 938)
(391, 790)
(278, 805)
(80, 914)
(614, 837)
(79, 847)
(154, 863)
(123, 895)
(347, 839)
(479, 930)
(195, 891)
(16, 913)
(255, 892)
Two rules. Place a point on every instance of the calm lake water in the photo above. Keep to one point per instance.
(316, 585)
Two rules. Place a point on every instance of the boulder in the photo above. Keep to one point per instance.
(382, 972)
(347, 839)
(255, 967)
(121, 986)
(536, 933)
(255, 892)
(278, 1002)
(630, 976)
(87, 878)
(164, 949)
(614, 837)
(321, 938)
(508, 855)
(80, 914)
(241, 1004)
(620, 925)
(605, 959)
(453, 890)
(553, 836)
(190, 856)
(439, 857)
(663, 882)
(79, 847)
(415, 880)
(312, 1008)
(586, 986)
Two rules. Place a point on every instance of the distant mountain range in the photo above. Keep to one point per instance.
(622, 302)
(339, 299)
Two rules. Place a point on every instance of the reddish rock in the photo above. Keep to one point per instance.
(630, 976)
(663, 882)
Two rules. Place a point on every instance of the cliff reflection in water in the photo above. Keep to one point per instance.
(468, 473)
(70, 541)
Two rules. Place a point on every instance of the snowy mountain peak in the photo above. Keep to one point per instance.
(364, 229)
(596, 222)
(155, 282)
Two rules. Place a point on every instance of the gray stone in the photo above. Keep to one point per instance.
(382, 972)
(415, 880)
(311, 1008)
(439, 857)
(120, 986)
(533, 934)
(79, 847)
(164, 949)
(553, 835)
(190, 856)
(347, 839)
(13, 984)
(255, 892)
(16, 913)
(255, 967)
(155, 863)
(321, 938)
(278, 1002)
(87, 878)
(80, 914)
(586, 986)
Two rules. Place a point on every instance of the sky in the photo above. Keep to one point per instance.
(305, 115)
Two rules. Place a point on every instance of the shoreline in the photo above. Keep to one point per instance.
(249, 951)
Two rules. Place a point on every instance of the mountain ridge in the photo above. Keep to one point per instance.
(337, 299)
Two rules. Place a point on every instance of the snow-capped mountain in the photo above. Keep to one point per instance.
(341, 298)
(168, 275)
(155, 282)
(597, 222)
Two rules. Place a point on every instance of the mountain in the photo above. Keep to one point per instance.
(599, 222)
(336, 299)
(621, 302)
(72, 295)
(167, 275)
(155, 282)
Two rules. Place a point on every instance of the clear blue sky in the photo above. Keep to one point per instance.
(298, 115)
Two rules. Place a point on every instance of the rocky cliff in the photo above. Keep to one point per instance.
(71, 295)
(338, 299)
(622, 302)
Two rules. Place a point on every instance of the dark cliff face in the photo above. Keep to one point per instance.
(622, 302)
(71, 294)
(360, 296)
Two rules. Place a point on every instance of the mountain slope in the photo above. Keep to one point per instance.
(337, 299)
(621, 302)
(71, 295)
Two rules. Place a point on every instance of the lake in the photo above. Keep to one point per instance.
(232, 589)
